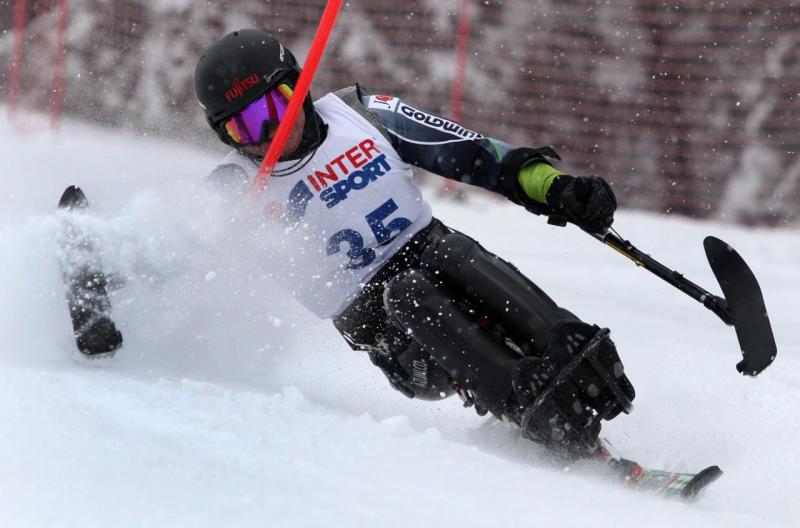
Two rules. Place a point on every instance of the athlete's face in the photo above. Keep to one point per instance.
(295, 136)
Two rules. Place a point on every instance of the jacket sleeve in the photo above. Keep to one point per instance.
(446, 148)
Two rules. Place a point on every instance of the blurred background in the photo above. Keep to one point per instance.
(689, 107)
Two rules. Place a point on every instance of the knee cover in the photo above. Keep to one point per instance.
(496, 287)
(454, 339)
(366, 327)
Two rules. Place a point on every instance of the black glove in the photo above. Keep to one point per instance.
(587, 202)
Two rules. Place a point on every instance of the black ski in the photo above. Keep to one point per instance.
(85, 283)
(746, 306)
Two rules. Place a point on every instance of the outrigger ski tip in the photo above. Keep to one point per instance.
(73, 198)
(741, 307)
(745, 304)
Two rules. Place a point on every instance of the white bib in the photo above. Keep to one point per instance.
(351, 207)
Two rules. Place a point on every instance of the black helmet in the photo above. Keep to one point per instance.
(238, 69)
(241, 67)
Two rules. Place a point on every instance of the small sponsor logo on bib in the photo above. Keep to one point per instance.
(383, 102)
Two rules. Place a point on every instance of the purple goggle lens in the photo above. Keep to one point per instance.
(247, 127)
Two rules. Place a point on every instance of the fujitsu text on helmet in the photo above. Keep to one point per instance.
(239, 68)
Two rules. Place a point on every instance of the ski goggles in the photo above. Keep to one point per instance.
(253, 125)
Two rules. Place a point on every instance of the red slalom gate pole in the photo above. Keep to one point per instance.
(462, 39)
(457, 92)
(20, 17)
(318, 45)
(58, 74)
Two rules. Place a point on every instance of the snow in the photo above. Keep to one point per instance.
(229, 405)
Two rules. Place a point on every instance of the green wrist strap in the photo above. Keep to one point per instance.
(535, 180)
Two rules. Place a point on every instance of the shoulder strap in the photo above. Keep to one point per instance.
(351, 96)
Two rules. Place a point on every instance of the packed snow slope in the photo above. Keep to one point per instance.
(229, 405)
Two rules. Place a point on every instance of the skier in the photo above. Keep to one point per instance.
(435, 311)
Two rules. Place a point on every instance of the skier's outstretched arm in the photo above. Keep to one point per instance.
(523, 175)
